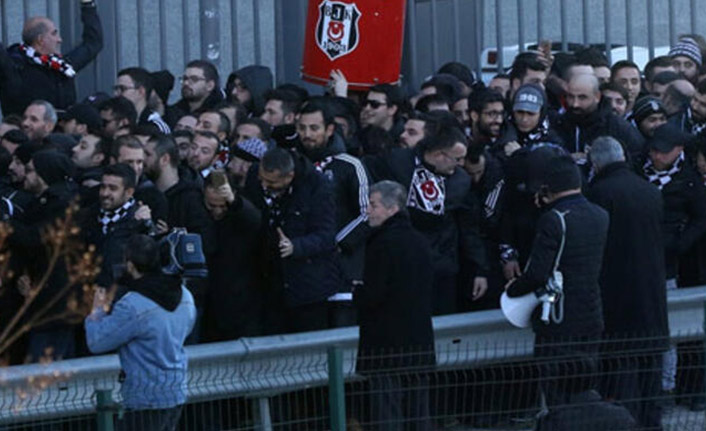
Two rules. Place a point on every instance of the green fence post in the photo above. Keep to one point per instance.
(105, 408)
(336, 392)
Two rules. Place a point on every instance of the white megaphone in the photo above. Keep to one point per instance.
(518, 310)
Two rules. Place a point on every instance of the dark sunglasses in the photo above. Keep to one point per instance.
(373, 103)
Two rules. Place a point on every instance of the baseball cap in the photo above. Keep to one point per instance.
(529, 97)
(84, 114)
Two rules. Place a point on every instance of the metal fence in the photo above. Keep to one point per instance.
(252, 383)
(166, 34)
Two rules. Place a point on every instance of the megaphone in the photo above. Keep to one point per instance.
(518, 311)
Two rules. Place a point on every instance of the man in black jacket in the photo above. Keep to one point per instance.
(684, 197)
(298, 237)
(442, 208)
(571, 331)
(395, 312)
(234, 299)
(200, 89)
(633, 293)
(327, 151)
(28, 71)
(585, 120)
(47, 177)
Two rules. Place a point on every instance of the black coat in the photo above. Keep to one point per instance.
(308, 219)
(633, 273)
(110, 246)
(580, 264)
(579, 131)
(234, 297)
(22, 80)
(395, 302)
(684, 223)
(29, 254)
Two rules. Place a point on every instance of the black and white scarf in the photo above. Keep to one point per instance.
(107, 218)
(50, 61)
(274, 205)
(427, 191)
(662, 178)
(538, 134)
(694, 128)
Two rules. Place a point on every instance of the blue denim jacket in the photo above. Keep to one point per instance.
(150, 343)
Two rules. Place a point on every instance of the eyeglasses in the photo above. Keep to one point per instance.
(122, 88)
(373, 103)
(191, 79)
(493, 114)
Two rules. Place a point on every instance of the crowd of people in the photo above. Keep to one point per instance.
(278, 181)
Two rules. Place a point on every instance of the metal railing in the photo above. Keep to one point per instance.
(258, 368)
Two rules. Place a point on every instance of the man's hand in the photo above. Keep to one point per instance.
(24, 285)
(100, 299)
(286, 248)
(480, 286)
(338, 83)
(509, 283)
(511, 269)
(143, 212)
(162, 227)
(226, 192)
(510, 148)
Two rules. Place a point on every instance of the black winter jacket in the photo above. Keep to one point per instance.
(580, 264)
(308, 219)
(22, 80)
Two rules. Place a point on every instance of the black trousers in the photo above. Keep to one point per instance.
(399, 402)
(149, 420)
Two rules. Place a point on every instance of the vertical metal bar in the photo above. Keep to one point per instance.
(337, 395)
(412, 21)
(163, 58)
(693, 11)
(256, 30)
(116, 30)
(104, 407)
(628, 28)
(25, 9)
(434, 37)
(209, 14)
(540, 23)
(586, 16)
(499, 36)
(186, 32)
(564, 25)
(234, 31)
(607, 30)
(672, 24)
(521, 24)
(651, 28)
(5, 31)
(141, 51)
(279, 20)
(263, 418)
(457, 31)
(479, 21)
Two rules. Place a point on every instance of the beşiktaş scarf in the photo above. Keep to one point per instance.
(108, 218)
(694, 128)
(538, 134)
(274, 205)
(427, 191)
(662, 178)
(50, 61)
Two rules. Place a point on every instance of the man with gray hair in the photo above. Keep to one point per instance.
(633, 290)
(39, 120)
(35, 68)
(394, 312)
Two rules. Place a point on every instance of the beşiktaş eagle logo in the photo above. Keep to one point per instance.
(337, 31)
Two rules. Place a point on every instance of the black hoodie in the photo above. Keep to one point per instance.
(258, 81)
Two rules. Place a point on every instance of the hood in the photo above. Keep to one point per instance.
(258, 80)
(163, 289)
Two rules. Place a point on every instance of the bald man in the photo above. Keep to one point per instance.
(586, 119)
(34, 69)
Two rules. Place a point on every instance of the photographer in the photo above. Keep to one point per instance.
(148, 326)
